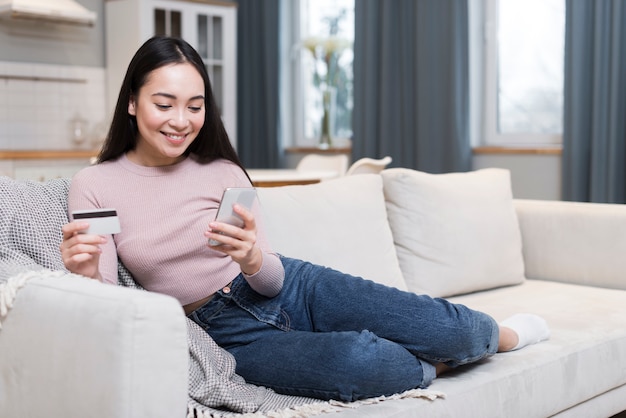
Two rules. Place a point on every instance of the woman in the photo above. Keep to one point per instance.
(298, 328)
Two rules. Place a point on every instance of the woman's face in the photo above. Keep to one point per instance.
(169, 109)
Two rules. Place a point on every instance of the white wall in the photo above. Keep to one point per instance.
(38, 103)
(533, 176)
(53, 43)
(49, 74)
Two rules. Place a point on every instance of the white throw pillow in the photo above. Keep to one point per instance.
(454, 233)
(340, 223)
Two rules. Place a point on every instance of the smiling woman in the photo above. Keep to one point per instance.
(167, 82)
(169, 112)
(164, 167)
(166, 134)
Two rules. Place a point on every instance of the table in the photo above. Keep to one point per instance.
(273, 177)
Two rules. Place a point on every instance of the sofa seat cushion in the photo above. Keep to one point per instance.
(455, 233)
(584, 358)
(587, 344)
(340, 223)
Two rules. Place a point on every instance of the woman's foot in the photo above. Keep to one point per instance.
(521, 330)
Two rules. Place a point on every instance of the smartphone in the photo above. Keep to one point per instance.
(242, 195)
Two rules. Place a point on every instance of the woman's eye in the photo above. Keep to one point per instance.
(195, 108)
(163, 106)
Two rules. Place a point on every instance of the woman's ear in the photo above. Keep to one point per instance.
(131, 106)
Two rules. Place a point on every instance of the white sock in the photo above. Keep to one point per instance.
(530, 329)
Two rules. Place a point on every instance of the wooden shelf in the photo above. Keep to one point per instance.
(518, 150)
(46, 154)
(223, 3)
(317, 150)
(283, 183)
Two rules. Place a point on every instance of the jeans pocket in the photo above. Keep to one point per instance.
(264, 309)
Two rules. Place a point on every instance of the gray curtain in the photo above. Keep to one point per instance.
(411, 83)
(594, 131)
(258, 64)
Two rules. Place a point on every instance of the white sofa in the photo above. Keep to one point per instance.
(76, 348)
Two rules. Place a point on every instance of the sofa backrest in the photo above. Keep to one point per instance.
(340, 223)
(574, 242)
(441, 235)
(455, 233)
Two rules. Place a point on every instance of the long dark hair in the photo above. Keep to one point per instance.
(212, 141)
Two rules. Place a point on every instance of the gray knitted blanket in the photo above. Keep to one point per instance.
(31, 216)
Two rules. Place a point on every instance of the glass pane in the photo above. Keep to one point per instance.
(203, 42)
(176, 24)
(217, 82)
(531, 36)
(217, 37)
(328, 26)
(159, 22)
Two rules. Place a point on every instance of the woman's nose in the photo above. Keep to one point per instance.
(180, 120)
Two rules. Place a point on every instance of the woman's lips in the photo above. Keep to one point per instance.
(175, 138)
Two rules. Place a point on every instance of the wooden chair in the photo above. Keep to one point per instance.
(369, 165)
(319, 162)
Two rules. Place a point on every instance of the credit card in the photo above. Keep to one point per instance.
(101, 221)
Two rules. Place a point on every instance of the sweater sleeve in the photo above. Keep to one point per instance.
(81, 196)
(268, 281)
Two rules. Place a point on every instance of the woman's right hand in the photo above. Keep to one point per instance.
(80, 252)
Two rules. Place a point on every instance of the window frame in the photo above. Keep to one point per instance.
(292, 95)
(484, 90)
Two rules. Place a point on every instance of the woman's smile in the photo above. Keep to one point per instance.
(175, 139)
(169, 109)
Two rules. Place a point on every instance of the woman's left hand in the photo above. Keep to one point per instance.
(238, 243)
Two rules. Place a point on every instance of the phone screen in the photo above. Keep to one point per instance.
(242, 195)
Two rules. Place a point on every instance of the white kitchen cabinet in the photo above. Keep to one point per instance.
(44, 170)
(43, 165)
(47, 172)
(209, 26)
(6, 168)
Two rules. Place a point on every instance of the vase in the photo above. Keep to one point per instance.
(328, 117)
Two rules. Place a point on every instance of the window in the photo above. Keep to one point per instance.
(313, 25)
(523, 55)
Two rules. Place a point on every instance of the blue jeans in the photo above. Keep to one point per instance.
(329, 335)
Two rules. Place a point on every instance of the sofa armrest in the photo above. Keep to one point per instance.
(581, 243)
(74, 347)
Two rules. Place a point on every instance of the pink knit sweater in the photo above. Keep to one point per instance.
(163, 213)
